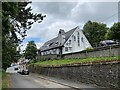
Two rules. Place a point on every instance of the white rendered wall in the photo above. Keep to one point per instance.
(74, 44)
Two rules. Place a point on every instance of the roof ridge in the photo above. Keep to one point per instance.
(71, 29)
(65, 33)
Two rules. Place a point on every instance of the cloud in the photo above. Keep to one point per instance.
(95, 11)
(46, 33)
(67, 15)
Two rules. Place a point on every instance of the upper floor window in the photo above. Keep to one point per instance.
(66, 43)
(70, 48)
(78, 38)
(56, 43)
(66, 48)
(74, 38)
(50, 44)
(69, 42)
(82, 39)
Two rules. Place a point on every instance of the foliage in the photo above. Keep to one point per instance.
(95, 32)
(114, 32)
(16, 20)
(31, 50)
(74, 61)
(89, 48)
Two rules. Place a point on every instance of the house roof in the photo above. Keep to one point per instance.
(53, 43)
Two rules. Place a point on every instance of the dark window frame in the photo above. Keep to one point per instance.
(66, 49)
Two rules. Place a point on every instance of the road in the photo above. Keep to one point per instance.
(37, 81)
(28, 81)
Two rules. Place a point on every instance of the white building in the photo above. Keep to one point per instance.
(66, 42)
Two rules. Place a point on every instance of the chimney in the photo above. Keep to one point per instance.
(61, 36)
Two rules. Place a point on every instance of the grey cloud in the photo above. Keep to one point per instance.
(96, 11)
(57, 9)
(67, 15)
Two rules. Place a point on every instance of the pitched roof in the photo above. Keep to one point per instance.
(53, 43)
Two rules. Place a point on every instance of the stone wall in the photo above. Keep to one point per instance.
(104, 74)
(97, 52)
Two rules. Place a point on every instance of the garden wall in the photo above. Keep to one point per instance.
(97, 52)
(104, 74)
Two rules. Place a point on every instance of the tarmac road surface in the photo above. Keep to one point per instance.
(28, 81)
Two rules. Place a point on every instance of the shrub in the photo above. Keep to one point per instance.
(89, 48)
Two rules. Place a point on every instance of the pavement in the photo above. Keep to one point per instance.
(80, 86)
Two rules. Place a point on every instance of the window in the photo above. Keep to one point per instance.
(82, 39)
(50, 44)
(69, 42)
(66, 43)
(54, 51)
(66, 48)
(78, 38)
(56, 43)
(74, 38)
(70, 48)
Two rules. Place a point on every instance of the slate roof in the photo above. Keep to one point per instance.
(53, 42)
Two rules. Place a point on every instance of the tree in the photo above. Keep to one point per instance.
(31, 51)
(16, 20)
(114, 32)
(95, 32)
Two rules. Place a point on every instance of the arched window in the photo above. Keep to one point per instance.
(74, 38)
(69, 42)
(82, 39)
(78, 38)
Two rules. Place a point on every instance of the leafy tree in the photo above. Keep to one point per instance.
(95, 32)
(31, 50)
(114, 32)
(16, 20)
(0, 35)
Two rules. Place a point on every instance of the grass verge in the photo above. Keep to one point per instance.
(0, 78)
(75, 61)
(5, 80)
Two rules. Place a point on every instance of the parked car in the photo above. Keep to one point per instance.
(24, 71)
(107, 42)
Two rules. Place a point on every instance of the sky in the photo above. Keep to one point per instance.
(67, 15)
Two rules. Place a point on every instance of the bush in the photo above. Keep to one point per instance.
(90, 48)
